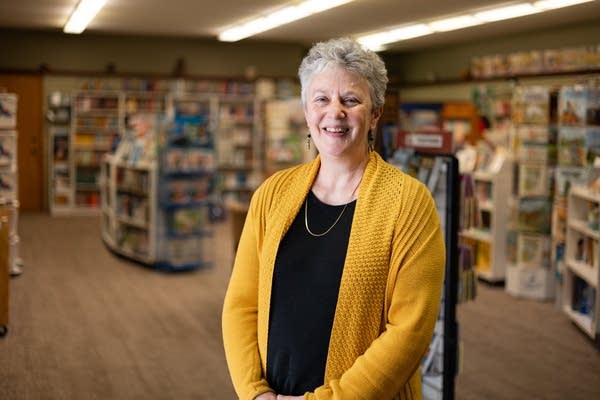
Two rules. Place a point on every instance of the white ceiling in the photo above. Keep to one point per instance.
(206, 18)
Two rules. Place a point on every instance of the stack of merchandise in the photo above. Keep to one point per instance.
(9, 203)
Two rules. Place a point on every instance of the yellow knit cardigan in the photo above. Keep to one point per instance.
(388, 298)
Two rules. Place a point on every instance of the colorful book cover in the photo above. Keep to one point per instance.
(533, 180)
(571, 146)
(572, 104)
(531, 105)
(533, 251)
(534, 214)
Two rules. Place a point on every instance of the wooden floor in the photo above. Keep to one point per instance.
(85, 324)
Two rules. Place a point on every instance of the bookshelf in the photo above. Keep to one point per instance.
(96, 124)
(58, 119)
(581, 275)
(128, 192)
(485, 230)
(237, 147)
(187, 172)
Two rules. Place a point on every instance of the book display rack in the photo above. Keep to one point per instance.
(439, 171)
(529, 268)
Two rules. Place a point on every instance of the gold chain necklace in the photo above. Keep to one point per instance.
(337, 219)
(330, 228)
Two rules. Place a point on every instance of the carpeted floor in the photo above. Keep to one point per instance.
(85, 324)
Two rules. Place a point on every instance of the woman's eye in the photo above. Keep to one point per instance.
(351, 101)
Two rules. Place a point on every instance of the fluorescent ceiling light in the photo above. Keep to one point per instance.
(552, 4)
(501, 13)
(278, 18)
(377, 40)
(453, 23)
(80, 18)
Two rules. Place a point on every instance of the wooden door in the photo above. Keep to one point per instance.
(30, 125)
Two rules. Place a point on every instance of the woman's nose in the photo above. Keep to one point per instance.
(338, 110)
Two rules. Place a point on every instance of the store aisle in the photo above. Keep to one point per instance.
(87, 325)
(517, 349)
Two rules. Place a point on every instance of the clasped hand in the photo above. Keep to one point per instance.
(273, 396)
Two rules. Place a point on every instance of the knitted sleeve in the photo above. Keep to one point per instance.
(240, 310)
(389, 367)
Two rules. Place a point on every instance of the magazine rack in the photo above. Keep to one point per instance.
(439, 171)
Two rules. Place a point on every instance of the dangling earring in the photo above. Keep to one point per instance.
(308, 141)
(371, 141)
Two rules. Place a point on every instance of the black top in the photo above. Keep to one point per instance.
(306, 283)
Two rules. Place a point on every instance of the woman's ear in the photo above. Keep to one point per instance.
(377, 113)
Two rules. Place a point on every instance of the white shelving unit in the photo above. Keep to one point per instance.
(129, 208)
(488, 236)
(581, 276)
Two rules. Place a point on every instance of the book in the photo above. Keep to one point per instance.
(534, 214)
(533, 180)
(572, 147)
(533, 250)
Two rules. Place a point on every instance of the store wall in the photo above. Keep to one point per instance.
(29, 50)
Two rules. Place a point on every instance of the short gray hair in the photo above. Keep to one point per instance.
(350, 55)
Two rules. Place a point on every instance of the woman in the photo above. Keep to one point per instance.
(337, 278)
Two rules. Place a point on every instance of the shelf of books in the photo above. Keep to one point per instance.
(129, 188)
(285, 135)
(58, 119)
(529, 267)
(485, 216)
(578, 149)
(237, 148)
(96, 125)
(187, 178)
(581, 276)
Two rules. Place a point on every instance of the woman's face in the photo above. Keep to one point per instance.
(339, 112)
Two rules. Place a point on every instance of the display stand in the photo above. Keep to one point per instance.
(529, 271)
(439, 171)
